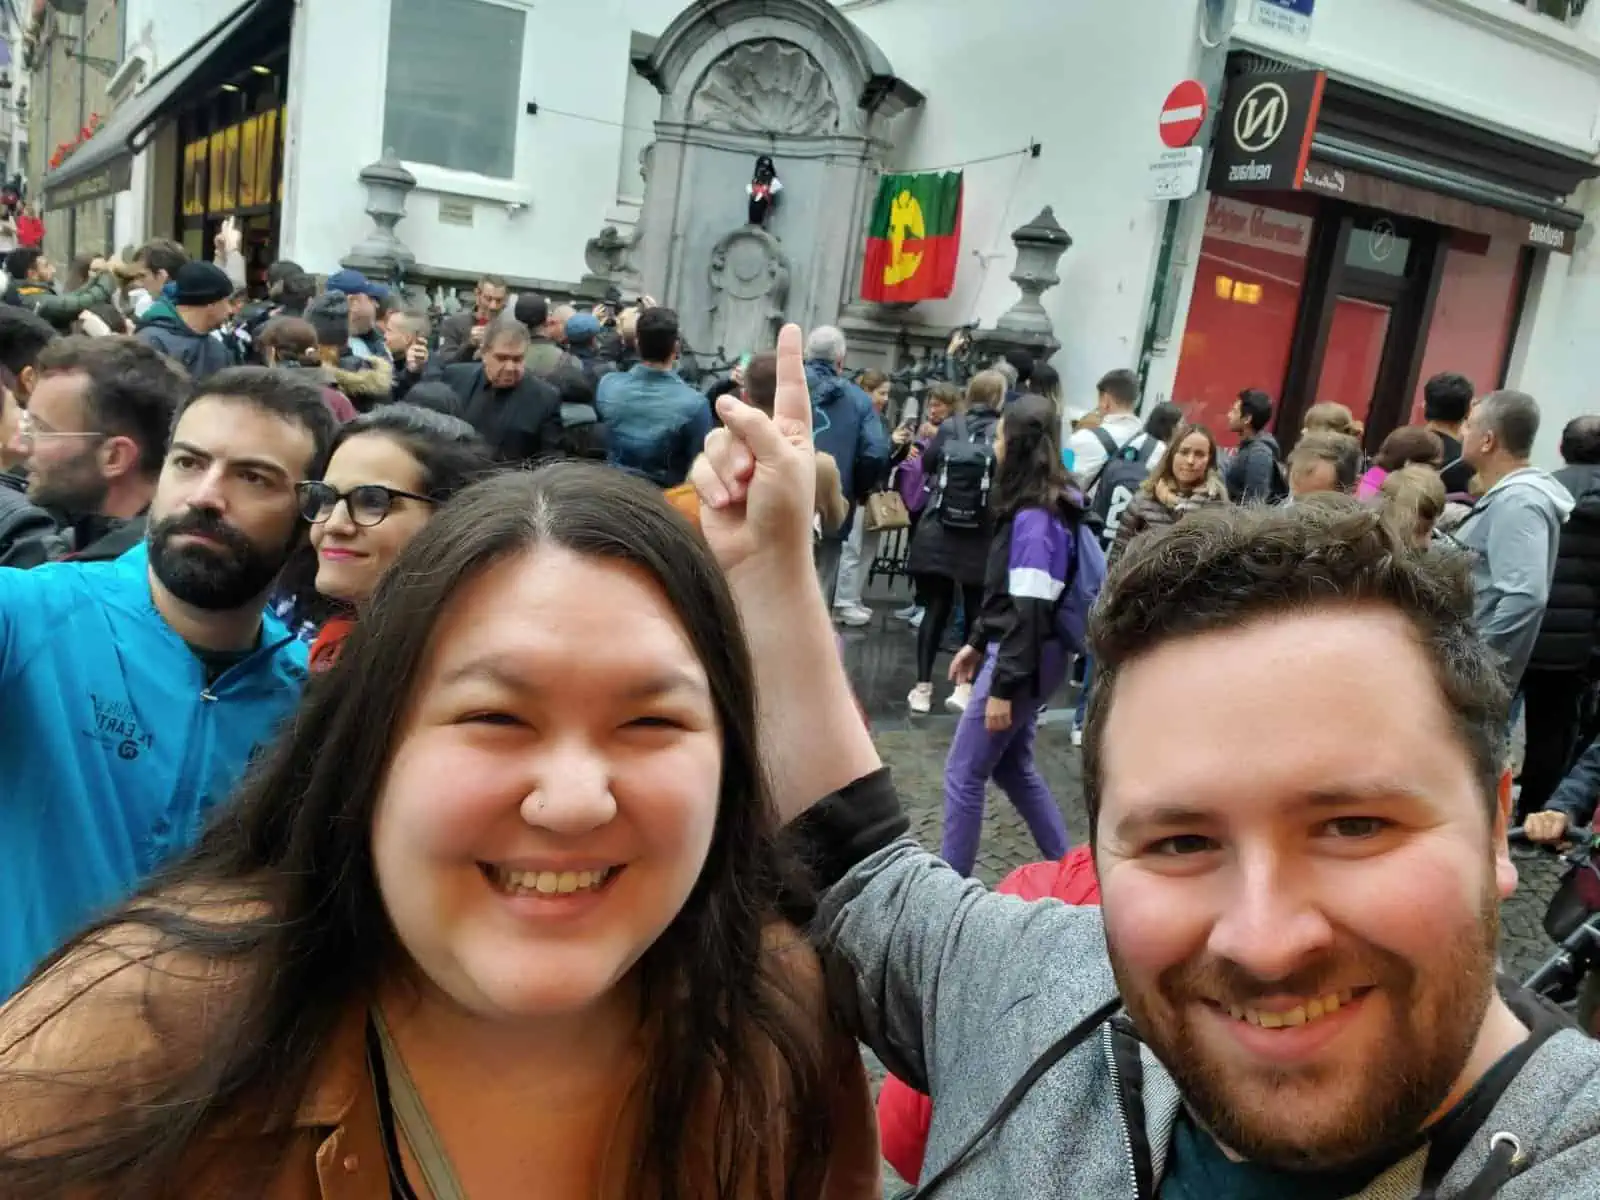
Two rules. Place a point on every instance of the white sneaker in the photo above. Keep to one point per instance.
(906, 613)
(1077, 736)
(854, 615)
(916, 621)
(921, 699)
(957, 700)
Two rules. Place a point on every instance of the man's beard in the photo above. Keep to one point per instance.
(74, 489)
(212, 578)
(1339, 1112)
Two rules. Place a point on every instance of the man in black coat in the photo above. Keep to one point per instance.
(1562, 666)
(517, 415)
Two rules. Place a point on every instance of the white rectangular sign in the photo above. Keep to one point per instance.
(1292, 18)
(1175, 174)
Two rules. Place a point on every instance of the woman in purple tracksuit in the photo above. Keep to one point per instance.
(1013, 649)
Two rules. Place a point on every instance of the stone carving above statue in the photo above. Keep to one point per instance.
(749, 291)
(769, 87)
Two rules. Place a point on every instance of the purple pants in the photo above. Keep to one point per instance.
(977, 756)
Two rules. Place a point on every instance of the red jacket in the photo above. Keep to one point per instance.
(30, 231)
(904, 1114)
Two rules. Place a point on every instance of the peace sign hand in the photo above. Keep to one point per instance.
(757, 479)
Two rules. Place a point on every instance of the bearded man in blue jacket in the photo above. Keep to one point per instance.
(137, 690)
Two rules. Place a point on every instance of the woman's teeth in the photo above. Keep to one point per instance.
(1322, 1006)
(548, 883)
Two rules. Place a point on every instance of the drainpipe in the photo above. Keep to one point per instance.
(1177, 236)
(83, 115)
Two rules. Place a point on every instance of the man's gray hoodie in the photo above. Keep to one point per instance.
(1513, 533)
(959, 991)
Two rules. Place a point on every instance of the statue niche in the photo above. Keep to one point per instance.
(749, 291)
(768, 87)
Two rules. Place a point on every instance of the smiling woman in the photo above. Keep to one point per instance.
(510, 927)
(388, 473)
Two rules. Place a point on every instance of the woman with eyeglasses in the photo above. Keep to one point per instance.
(389, 471)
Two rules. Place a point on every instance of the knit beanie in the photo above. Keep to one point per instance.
(200, 283)
(329, 315)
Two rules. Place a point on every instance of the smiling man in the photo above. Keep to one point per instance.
(137, 689)
(1292, 990)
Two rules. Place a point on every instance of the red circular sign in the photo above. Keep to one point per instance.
(1183, 113)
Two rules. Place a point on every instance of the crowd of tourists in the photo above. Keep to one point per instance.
(431, 772)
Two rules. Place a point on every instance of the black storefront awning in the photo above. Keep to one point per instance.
(1384, 152)
(103, 165)
(1383, 138)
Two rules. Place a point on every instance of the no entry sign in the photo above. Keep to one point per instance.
(1183, 113)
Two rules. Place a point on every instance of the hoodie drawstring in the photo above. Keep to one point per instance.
(1505, 1160)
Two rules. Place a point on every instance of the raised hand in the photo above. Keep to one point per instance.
(758, 476)
(757, 482)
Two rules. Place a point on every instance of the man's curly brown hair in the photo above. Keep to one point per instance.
(1222, 568)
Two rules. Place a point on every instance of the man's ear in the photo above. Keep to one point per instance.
(119, 458)
(27, 380)
(1505, 871)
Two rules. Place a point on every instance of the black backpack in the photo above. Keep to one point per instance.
(583, 433)
(960, 493)
(1126, 469)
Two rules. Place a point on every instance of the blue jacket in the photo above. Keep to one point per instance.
(1579, 792)
(657, 422)
(112, 746)
(845, 425)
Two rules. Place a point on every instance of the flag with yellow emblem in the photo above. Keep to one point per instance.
(914, 239)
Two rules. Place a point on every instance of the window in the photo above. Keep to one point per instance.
(1245, 306)
(1472, 317)
(454, 86)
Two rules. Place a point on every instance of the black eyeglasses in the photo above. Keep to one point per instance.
(367, 504)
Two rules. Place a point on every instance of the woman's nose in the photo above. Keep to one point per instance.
(570, 791)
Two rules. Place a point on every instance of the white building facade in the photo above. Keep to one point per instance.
(525, 126)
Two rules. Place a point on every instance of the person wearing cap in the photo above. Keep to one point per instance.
(366, 382)
(366, 338)
(583, 343)
(188, 327)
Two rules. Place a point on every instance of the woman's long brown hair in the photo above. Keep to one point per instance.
(1164, 472)
(298, 839)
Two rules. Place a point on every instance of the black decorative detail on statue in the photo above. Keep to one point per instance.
(763, 190)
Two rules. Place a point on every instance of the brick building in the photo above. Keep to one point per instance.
(70, 61)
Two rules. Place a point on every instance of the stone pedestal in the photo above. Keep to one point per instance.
(1040, 244)
(381, 254)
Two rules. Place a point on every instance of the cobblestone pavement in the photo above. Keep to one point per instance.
(915, 750)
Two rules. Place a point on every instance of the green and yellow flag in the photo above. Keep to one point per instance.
(914, 240)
